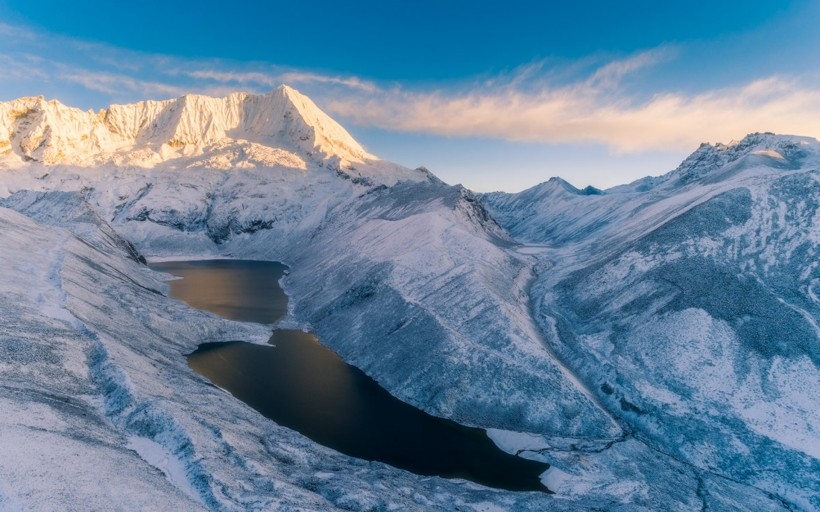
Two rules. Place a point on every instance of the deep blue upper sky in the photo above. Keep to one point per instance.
(492, 94)
(411, 40)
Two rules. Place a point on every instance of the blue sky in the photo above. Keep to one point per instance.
(494, 95)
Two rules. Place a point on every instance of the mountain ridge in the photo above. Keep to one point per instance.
(686, 302)
(556, 210)
(35, 129)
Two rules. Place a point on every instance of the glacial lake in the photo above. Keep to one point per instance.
(300, 384)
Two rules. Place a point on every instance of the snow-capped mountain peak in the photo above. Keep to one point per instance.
(779, 151)
(149, 132)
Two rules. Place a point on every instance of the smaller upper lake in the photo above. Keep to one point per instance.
(242, 290)
(300, 384)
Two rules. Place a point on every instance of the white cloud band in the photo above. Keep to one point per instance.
(590, 112)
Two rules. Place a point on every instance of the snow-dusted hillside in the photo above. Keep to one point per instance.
(406, 277)
(101, 412)
(689, 305)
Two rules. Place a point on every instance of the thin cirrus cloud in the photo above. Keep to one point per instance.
(595, 110)
(274, 78)
(113, 83)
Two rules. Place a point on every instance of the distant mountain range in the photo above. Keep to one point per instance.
(656, 343)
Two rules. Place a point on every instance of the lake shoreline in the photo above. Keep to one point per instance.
(300, 384)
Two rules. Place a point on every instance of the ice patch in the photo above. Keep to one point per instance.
(515, 442)
(555, 479)
(153, 453)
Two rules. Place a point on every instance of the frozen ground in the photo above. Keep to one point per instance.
(638, 392)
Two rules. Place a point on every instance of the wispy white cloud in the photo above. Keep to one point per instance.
(17, 32)
(354, 83)
(21, 67)
(611, 73)
(277, 76)
(595, 110)
(113, 83)
(234, 77)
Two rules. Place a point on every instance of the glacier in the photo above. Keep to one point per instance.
(655, 343)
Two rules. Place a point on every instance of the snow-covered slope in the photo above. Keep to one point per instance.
(101, 412)
(689, 305)
(406, 277)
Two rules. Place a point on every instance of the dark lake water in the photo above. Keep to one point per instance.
(300, 384)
